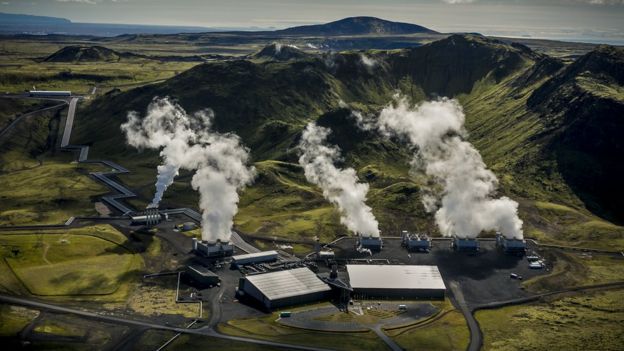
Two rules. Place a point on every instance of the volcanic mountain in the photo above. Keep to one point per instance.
(356, 26)
(520, 113)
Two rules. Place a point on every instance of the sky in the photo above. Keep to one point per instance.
(556, 19)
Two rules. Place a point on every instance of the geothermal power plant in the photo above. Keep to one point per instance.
(405, 265)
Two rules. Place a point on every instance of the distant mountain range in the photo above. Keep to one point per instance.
(28, 24)
(9, 18)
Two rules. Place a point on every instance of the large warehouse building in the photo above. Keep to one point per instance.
(284, 288)
(396, 281)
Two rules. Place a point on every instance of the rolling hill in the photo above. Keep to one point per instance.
(507, 92)
(356, 26)
(87, 54)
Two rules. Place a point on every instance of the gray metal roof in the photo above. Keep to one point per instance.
(202, 271)
(293, 282)
(254, 255)
(394, 277)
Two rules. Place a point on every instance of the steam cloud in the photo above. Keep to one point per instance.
(462, 196)
(367, 61)
(340, 186)
(185, 141)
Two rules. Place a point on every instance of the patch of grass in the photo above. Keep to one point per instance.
(74, 263)
(267, 329)
(59, 328)
(15, 318)
(47, 194)
(159, 299)
(572, 270)
(588, 322)
(445, 331)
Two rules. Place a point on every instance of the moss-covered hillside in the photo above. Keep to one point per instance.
(268, 102)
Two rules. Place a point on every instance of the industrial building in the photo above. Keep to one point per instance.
(212, 250)
(396, 281)
(150, 217)
(374, 244)
(202, 275)
(415, 242)
(39, 93)
(470, 245)
(511, 246)
(284, 288)
(254, 258)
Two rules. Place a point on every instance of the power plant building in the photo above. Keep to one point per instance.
(511, 246)
(375, 244)
(212, 250)
(465, 244)
(415, 242)
(284, 288)
(396, 281)
(254, 258)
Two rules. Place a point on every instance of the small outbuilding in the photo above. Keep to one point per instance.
(202, 275)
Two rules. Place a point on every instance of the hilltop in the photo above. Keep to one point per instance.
(87, 54)
(356, 26)
(280, 52)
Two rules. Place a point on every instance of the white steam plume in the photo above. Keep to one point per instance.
(340, 186)
(186, 142)
(368, 62)
(463, 196)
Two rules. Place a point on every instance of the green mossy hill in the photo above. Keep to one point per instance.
(87, 54)
(583, 108)
(269, 102)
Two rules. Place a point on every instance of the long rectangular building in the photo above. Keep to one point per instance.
(396, 281)
(256, 257)
(284, 288)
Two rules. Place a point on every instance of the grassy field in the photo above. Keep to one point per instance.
(76, 263)
(445, 331)
(584, 322)
(266, 328)
(14, 318)
(47, 194)
(22, 67)
(577, 269)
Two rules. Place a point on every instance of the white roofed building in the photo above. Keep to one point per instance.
(284, 288)
(396, 281)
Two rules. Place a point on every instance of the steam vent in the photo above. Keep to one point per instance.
(415, 242)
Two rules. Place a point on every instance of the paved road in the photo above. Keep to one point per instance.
(476, 337)
(138, 323)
